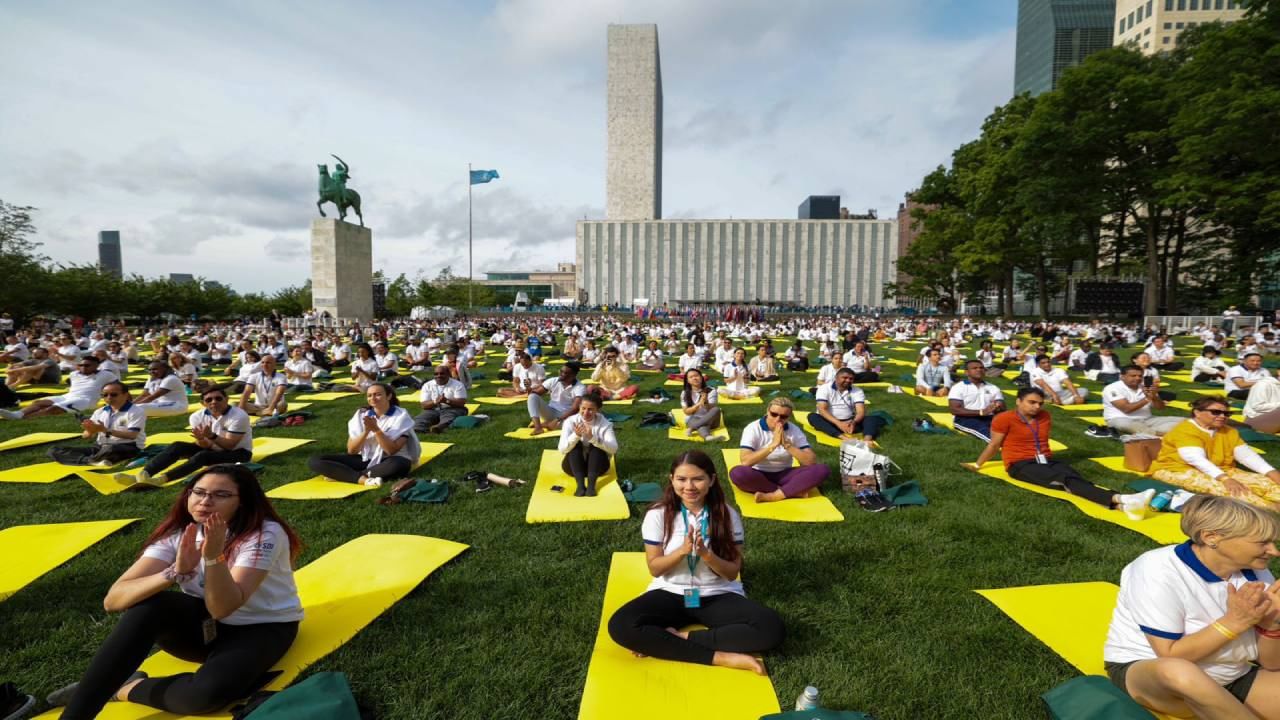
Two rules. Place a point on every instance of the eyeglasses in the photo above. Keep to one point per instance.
(201, 493)
(780, 416)
(1218, 413)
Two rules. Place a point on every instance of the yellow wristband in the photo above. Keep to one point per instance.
(1226, 631)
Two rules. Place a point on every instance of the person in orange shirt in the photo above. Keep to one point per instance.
(1022, 436)
(1200, 455)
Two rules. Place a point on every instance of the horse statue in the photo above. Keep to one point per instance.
(333, 189)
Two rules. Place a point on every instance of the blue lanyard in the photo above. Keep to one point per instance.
(693, 558)
(1035, 430)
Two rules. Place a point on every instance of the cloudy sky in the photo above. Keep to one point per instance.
(195, 128)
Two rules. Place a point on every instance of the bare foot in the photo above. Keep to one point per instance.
(741, 661)
(537, 430)
(776, 495)
(123, 693)
(677, 633)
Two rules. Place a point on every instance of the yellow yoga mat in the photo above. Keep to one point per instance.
(721, 433)
(526, 433)
(342, 591)
(324, 396)
(1071, 618)
(322, 488)
(901, 363)
(947, 420)
(1161, 527)
(628, 401)
(495, 400)
(30, 551)
(48, 389)
(726, 400)
(813, 507)
(1083, 407)
(548, 506)
(1092, 420)
(39, 473)
(940, 401)
(879, 385)
(674, 383)
(621, 686)
(766, 383)
(38, 438)
(106, 484)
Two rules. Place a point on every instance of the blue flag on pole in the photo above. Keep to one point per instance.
(479, 177)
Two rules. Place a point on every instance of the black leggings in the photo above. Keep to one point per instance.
(585, 462)
(735, 624)
(866, 377)
(232, 666)
(349, 468)
(1060, 476)
(197, 458)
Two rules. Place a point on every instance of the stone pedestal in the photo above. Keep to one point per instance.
(342, 269)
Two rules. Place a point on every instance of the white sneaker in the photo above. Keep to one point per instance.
(1180, 498)
(1135, 505)
(373, 482)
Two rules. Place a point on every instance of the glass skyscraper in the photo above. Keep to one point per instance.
(1054, 35)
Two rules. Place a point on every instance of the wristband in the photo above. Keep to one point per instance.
(1274, 633)
(1225, 631)
(172, 575)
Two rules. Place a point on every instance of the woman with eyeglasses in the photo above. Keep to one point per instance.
(1201, 455)
(693, 547)
(381, 444)
(222, 434)
(768, 455)
(231, 556)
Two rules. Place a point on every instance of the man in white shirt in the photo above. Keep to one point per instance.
(553, 401)
(933, 379)
(1161, 352)
(1241, 378)
(222, 433)
(842, 410)
(118, 428)
(525, 374)
(86, 385)
(724, 353)
(417, 357)
(67, 354)
(164, 394)
(975, 401)
(1127, 405)
(1262, 409)
(14, 350)
(443, 399)
(264, 390)
(388, 362)
(1054, 382)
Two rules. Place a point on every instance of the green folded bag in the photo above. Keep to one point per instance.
(467, 422)
(424, 491)
(1092, 697)
(323, 696)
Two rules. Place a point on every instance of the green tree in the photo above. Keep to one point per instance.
(21, 264)
(400, 297)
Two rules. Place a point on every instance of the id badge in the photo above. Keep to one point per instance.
(1041, 459)
(693, 598)
(210, 629)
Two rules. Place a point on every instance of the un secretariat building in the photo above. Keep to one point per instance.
(801, 262)
(819, 259)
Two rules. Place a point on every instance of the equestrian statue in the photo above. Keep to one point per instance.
(333, 189)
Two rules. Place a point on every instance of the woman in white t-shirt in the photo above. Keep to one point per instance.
(298, 371)
(231, 556)
(364, 371)
(651, 358)
(381, 444)
(699, 405)
(693, 547)
(1196, 628)
(736, 374)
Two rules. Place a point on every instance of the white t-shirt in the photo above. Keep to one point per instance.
(679, 578)
(930, 376)
(844, 405)
(535, 373)
(433, 391)
(712, 397)
(1160, 355)
(857, 363)
(1119, 391)
(1204, 365)
(129, 417)
(248, 370)
(973, 396)
(89, 387)
(689, 362)
(276, 599)
(1169, 593)
(175, 392)
(735, 376)
(395, 424)
(387, 363)
(560, 397)
(298, 371)
(233, 422)
(756, 435)
(827, 373)
(18, 350)
(1055, 378)
(264, 385)
(1242, 373)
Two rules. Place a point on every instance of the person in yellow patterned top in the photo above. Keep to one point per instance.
(1201, 454)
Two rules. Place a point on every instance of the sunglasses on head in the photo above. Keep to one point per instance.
(1218, 413)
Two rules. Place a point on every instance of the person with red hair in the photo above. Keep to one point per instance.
(231, 555)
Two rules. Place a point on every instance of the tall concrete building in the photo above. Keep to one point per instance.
(633, 180)
(1054, 35)
(783, 262)
(1154, 26)
(109, 257)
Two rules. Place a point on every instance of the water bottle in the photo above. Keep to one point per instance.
(1161, 501)
(808, 700)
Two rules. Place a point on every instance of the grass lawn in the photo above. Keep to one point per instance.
(879, 609)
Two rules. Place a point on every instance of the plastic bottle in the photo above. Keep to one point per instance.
(1161, 501)
(808, 700)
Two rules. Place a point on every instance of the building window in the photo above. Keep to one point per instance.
(1149, 7)
(1164, 40)
(1139, 13)
(1120, 30)
(1217, 4)
(1147, 31)
(1146, 45)
(1168, 5)
(1182, 4)
(1195, 4)
(1168, 26)
(1179, 25)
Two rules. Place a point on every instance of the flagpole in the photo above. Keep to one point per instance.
(471, 278)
